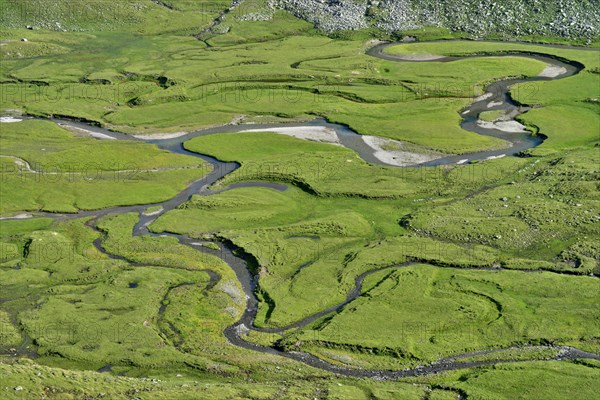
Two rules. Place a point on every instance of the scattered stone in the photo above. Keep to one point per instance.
(573, 19)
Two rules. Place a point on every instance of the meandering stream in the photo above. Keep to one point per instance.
(498, 95)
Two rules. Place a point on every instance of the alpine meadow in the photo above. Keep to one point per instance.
(300, 199)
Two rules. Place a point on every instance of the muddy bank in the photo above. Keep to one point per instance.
(319, 134)
(391, 152)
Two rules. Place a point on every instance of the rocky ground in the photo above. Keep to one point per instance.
(572, 19)
(566, 18)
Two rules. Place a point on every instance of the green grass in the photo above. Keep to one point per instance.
(118, 325)
(66, 177)
(516, 354)
(84, 310)
(423, 313)
(530, 380)
(279, 26)
(333, 171)
(144, 17)
(433, 33)
(271, 233)
(46, 144)
(37, 379)
(491, 116)
(438, 117)
(549, 208)
(566, 126)
(19, 227)
(278, 229)
(292, 229)
(250, 77)
(18, 49)
(454, 48)
(9, 335)
(567, 116)
(64, 194)
(340, 217)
